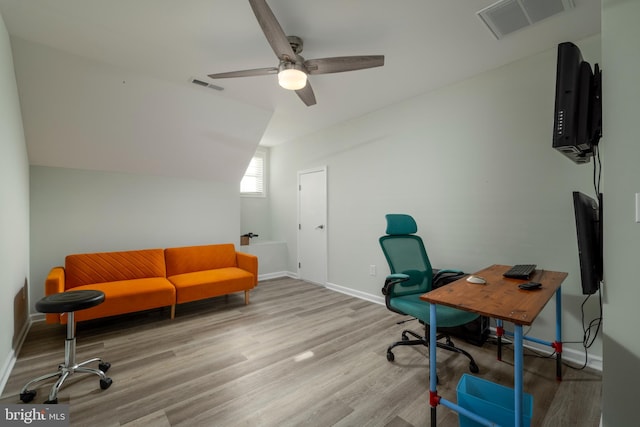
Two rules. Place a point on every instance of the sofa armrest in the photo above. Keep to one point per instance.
(54, 284)
(248, 262)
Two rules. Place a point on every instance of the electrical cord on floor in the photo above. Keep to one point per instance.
(527, 351)
(589, 336)
(590, 333)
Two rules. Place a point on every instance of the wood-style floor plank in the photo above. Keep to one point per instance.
(298, 355)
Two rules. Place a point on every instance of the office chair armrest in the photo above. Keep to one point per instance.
(392, 280)
(442, 277)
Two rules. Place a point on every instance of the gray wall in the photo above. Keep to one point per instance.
(75, 211)
(255, 212)
(473, 163)
(14, 213)
(621, 152)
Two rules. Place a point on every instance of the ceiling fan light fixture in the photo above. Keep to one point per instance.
(291, 77)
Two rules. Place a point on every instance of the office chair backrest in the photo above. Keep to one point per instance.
(405, 253)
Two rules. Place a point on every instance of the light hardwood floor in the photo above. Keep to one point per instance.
(299, 354)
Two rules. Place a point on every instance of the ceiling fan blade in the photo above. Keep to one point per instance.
(245, 73)
(343, 63)
(306, 94)
(272, 30)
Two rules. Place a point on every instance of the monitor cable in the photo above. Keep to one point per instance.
(590, 332)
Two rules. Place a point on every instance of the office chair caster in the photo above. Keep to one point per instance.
(27, 396)
(390, 356)
(473, 367)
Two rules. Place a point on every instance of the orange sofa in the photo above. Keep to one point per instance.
(153, 278)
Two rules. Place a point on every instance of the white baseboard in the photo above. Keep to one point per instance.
(5, 372)
(358, 294)
(276, 275)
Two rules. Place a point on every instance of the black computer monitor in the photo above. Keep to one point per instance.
(588, 215)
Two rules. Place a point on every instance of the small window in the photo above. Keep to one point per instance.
(253, 182)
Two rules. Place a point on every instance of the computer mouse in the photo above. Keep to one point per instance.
(529, 286)
(476, 279)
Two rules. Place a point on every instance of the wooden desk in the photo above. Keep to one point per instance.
(501, 299)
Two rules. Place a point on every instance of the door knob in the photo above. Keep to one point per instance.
(321, 227)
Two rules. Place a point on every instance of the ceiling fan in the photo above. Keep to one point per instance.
(293, 68)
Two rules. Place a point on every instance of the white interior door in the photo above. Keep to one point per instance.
(312, 225)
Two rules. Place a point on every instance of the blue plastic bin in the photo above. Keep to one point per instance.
(492, 401)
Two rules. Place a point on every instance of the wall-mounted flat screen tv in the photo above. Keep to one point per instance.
(577, 124)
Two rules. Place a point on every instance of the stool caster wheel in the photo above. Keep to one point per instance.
(51, 402)
(474, 368)
(27, 396)
(104, 367)
(106, 383)
(390, 356)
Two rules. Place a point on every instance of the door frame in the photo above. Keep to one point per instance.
(322, 169)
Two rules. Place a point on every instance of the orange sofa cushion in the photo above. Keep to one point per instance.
(207, 271)
(188, 259)
(87, 269)
(128, 296)
(211, 283)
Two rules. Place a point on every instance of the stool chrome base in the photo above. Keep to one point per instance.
(69, 367)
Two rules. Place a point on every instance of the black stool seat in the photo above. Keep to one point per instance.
(68, 301)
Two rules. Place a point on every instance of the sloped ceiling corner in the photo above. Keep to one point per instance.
(85, 114)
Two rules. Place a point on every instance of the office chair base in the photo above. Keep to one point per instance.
(64, 372)
(68, 302)
(424, 341)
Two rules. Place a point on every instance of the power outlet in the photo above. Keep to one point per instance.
(372, 270)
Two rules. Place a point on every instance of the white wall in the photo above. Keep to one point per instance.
(473, 163)
(621, 153)
(14, 213)
(76, 211)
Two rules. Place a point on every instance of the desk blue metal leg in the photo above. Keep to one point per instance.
(499, 334)
(433, 375)
(434, 399)
(518, 373)
(557, 345)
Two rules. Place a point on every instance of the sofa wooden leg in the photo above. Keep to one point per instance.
(246, 297)
(173, 311)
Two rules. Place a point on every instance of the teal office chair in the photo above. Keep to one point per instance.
(411, 276)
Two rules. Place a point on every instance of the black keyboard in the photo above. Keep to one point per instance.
(520, 271)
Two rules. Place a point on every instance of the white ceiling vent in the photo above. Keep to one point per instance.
(507, 16)
(205, 84)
